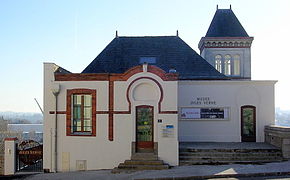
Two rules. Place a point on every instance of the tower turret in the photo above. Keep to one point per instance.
(227, 46)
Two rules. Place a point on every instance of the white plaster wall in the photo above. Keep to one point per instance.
(150, 92)
(48, 120)
(231, 94)
(9, 157)
(98, 151)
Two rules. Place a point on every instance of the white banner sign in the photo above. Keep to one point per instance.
(204, 113)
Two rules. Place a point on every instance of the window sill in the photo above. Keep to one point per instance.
(81, 134)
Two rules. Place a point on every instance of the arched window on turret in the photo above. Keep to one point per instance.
(227, 64)
(237, 67)
(218, 63)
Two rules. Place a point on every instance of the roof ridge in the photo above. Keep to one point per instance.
(144, 36)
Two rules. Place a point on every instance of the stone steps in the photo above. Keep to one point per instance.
(218, 154)
(144, 156)
(190, 156)
(142, 166)
(139, 162)
(144, 162)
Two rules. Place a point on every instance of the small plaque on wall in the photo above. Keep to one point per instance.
(168, 131)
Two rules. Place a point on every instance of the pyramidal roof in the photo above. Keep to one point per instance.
(165, 52)
(225, 24)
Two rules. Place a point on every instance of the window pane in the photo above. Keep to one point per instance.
(88, 100)
(149, 60)
(77, 99)
(87, 112)
(78, 125)
(218, 63)
(87, 125)
(82, 113)
(227, 65)
(237, 65)
(248, 121)
(77, 112)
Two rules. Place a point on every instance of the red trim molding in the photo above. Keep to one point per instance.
(111, 109)
(111, 77)
(11, 139)
(160, 100)
(70, 92)
(116, 77)
(57, 112)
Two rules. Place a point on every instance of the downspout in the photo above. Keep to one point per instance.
(55, 90)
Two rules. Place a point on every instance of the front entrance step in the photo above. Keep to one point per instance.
(142, 166)
(217, 154)
(145, 162)
(144, 156)
(141, 161)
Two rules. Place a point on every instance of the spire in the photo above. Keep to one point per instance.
(217, 7)
(177, 33)
(225, 24)
(230, 6)
(117, 34)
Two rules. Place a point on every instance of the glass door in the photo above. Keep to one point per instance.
(248, 123)
(144, 128)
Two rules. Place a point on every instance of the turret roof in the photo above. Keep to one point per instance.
(225, 24)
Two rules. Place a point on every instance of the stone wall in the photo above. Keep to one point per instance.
(279, 136)
(1, 164)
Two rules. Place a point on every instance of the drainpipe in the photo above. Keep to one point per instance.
(55, 91)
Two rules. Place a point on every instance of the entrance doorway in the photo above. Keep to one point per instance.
(144, 128)
(248, 123)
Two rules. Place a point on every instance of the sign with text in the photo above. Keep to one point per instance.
(204, 113)
(168, 131)
(203, 101)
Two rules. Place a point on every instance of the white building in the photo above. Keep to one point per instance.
(147, 94)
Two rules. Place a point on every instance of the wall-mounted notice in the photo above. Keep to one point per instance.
(168, 131)
(204, 113)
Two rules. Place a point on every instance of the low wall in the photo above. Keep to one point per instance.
(279, 136)
(1, 157)
(1, 164)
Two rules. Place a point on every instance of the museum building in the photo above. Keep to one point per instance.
(147, 94)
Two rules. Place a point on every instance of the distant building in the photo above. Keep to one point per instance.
(28, 131)
(147, 94)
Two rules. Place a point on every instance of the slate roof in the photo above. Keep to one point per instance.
(123, 53)
(225, 24)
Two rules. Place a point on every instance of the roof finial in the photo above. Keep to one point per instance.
(230, 6)
(177, 33)
(217, 7)
(117, 34)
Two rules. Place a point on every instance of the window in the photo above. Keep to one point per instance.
(237, 65)
(82, 113)
(149, 60)
(218, 63)
(227, 64)
(81, 108)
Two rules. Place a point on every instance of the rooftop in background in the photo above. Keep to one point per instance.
(38, 128)
(166, 52)
(225, 24)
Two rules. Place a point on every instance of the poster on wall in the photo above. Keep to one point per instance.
(204, 113)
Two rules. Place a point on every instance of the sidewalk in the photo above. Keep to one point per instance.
(180, 172)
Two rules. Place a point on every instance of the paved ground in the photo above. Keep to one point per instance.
(198, 171)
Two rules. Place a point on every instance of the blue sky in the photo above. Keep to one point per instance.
(72, 33)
